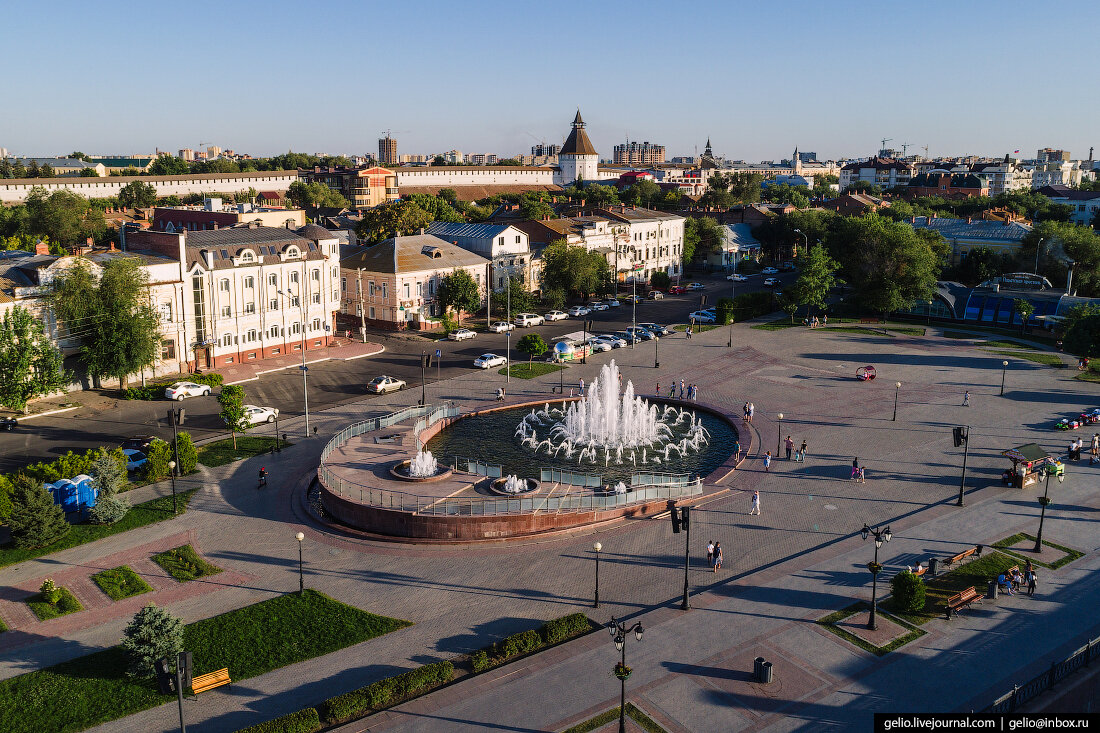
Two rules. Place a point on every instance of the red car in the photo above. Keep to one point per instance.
(677, 290)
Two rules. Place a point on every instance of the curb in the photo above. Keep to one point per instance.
(47, 412)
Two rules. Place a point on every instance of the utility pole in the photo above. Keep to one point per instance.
(362, 307)
(965, 437)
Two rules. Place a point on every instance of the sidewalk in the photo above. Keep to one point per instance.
(346, 350)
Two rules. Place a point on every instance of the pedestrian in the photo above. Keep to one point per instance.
(825, 320)
(1031, 579)
(710, 553)
(658, 392)
(582, 386)
(620, 380)
(745, 411)
(688, 331)
(802, 450)
(755, 503)
(717, 556)
(681, 389)
(966, 399)
(672, 389)
(752, 411)
(862, 475)
(855, 468)
(500, 395)
(767, 462)
(1094, 449)
(736, 451)
(789, 445)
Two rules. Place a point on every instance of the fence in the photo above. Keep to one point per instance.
(661, 479)
(556, 504)
(437, 414)
(569, 478)
(1020, 695)
(469, 465)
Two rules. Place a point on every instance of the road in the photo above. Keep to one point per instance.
(110, 421)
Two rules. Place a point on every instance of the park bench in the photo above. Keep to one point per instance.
(205, 682)
(921, 570)
(962, 600)
(961, 556)
(870, 320)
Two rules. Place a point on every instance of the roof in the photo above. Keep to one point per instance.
(243, 235)
(578, 143)
(54, 162)
(18, 270)
(473, 231)
(213, 178)
(1030, 452)
(1065, 192)
(877, 164)
(993, 231)
(415, 253)
(138, 162)
(314, 232)
(630, 214)
(741, 235)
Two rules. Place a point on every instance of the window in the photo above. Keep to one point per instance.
(226, 311)
(335, 268)
(295, 328)
(419, 289)
(407, 296)
(500, 241)
(316, 297)
(294, 301)
(250, 282)
(272, 279)
(431, 287)
(370, 288)
(292, 252)
(227, 339)
(335, 295)
(343, 285)
(250, 307)
(315, 275)
(385, 288)
(223, 285)
(294, 277)
(372, 311)
(273, 332)
(251, 335)
(166, 311)
(316, 326)
(358, 309)
(517, 239)
(247, 257)
(167, 350)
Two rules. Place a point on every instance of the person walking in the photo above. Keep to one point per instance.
(966, 399)
(862, 478)
(736, 451)
(1030, 578)
(717, 556)
(745, 411)
(658, 392)
(755, 504)
(788, 444)
(582, 386)
(802, 450)
(1094, 449)
(672, 389)
(710, 553)
(690, 326)
(767, 461)
(855, 468)
(752, 411)
(500, 394)
(825, 320)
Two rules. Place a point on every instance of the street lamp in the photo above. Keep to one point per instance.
(656, 362)
(733, 297)
(779, 439)
(1038, 249)
(897, 389)
(1044, 502)
(1004, 370)
(928, 315)
(303, 367)
(508, 336)
(597, 547)
(423, 378)
(619, 632)
(804, 238)
(172, 472)
(880, 535)
(301, 577)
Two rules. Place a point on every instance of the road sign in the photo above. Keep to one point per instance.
(439, 353)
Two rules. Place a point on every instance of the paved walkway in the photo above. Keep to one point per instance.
(342, 350)
(797, 562)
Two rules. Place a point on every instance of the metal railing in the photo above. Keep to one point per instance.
(437, 414)
(476, 507)
(477, 468)
(661, 479)
(569, 478)
(1020, 695)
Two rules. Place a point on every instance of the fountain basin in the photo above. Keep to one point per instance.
(497, 486)
(400, 471)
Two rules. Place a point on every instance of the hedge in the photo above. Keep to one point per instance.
(67, 466)
(385, 692)
(754, 305)
(155, 390)
(552, 632)
(303, 721)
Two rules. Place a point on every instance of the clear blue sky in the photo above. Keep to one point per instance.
(757, 78)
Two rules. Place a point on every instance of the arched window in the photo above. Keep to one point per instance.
(247, 256)
(292, 252)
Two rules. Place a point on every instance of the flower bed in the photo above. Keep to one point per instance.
(121, 582)
(184, 564)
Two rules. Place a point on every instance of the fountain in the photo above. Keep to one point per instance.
(512, 485)
(424, 465)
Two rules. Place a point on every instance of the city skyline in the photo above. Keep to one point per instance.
(478, 80)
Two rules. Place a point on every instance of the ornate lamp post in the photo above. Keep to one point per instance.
(619, 632)
(597, 547)
(656, 361)
(172, 472)
(779, 440)
(301, 577)
(897, 389)
(1004, 370)
(1044, 502)
(880, 535)
(303, 368)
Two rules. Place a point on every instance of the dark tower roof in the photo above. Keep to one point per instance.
(578, 143)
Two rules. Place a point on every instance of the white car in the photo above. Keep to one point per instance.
(613, 302)
(611, 339)
(181, 390)
(529, 319)
(556, 316)
(578, 310)
(702, 317)
(771, 282)
(502, 326)
(596, 345)
(384, 384)
(461, 334)
(135, 459)
(770, 271)
(487, 361)
(737, 277)
(695, 286)
(597, 306)
(254, 415)
(642, 333)
(656, 329)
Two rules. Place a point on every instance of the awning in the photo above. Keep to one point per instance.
(1029, 453)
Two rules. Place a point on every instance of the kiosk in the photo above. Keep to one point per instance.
(1027, 463)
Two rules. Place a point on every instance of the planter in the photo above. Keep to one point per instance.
(623, 673)
(874, 567)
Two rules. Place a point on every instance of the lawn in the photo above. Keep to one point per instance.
(998, 344)
(1039, 357)
(645, 722)
(222, 452)
(139, 515)
(699, 328)
(1092, 374)
(529, 371)
(1005, 545)
(976, 573)
(184, 564)
(45, 610)
(121, 582)
(830, 621)
(93, 689)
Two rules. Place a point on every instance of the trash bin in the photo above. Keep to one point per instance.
(766, 673)
(757, 666)
(932, 566)
(992, 590)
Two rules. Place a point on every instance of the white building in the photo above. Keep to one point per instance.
(578, 159)
(886, 173)
(15, 190)
(507, 248)
(1085, 204)
(653, 242)
(1004, 176)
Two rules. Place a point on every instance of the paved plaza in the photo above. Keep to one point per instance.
(800, 560)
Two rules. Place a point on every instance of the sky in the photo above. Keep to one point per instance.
(757, 78)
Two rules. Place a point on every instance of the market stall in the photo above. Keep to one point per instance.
(1028, 462)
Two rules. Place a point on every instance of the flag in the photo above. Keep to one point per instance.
(1016, 151)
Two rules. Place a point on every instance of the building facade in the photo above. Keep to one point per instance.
(1085, 204)
(635, 153)
(15, 190)
(885, 173)
(214, 215)
(364, 187)
(507, 249)
(964, 235)
(578, 159)
(387, 150)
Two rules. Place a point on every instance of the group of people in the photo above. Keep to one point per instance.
(1076, 446)
(1083, 364)
(859, 473)
(714, 555)
(814, 323)
(749, 410)
(690, 391)
(1011, 581)
(799, 455)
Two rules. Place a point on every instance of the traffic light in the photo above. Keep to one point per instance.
(183, 659)
(674, 513)
(960, 435)
(166, 681)
(684, 511)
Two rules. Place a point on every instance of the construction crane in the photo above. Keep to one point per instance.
(884, 141)
(905, 149)
(926, 152)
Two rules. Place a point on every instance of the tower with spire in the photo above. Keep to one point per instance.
(707, 161)
(578, 159)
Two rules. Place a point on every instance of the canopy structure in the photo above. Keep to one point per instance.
(1029, 453)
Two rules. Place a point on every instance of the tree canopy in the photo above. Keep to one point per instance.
(574, 270)
(459, 291)
(304, 194)
(702, 235)
(63, 216)
(381, 222)
(137, 194)
(30, 365)
(815, 277)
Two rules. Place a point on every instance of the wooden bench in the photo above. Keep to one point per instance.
(961, 556)
(962, 600)
(921, 570)
(205, 682)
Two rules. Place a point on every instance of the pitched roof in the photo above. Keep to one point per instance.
(578, 143)
(474, 231)
(994, 231)
(1065, 192)
(630, 214)
(227, 236)
(54, 162)
(314, 232)
(415, 253)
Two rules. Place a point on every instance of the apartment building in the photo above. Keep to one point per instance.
(639, 153)
(364, 187)
(885, 173)
(654, 242)
(387, 150)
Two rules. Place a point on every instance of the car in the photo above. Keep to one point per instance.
(135, 459)
(642, 333)
(656, 329)
(8, 423)
(254, 415)
(628, 337)
(596, 305)
(770, 271)
(528, 319)
(181, 390)
(597, 344)
(461, 334)
(556, 316)
(787, 267)
(632, 299)
(737, 277)
(703, 317)
(487, 361)
(771, 282)
(655, 295)
(612, 340)
(384, 384)
(695, 286)
(677, 290)
(578, 310)
(139, 443)
(502, 327)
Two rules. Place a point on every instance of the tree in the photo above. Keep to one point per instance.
(80, 156)
(533, 345)
(169, 165)
(156, 460)
(388, 220)
(660, 280)
(188, 455)
(35, 520)
(908, 592)
(1082, 336)
(438, 209)
(119, 330)
(33, 171)
(18, 170)
(439, 161)
(788, 303)
(448, 194)
(522, 298)
(108, 510)
(30, 365)
(643, 193)
(232, 401)
(88, 173)
(863, 187)
(137, 195)
(304, 194)
(816, 278)
(47, 171)
(152, 634)
(535, 209)
(702, 234)
(1079, 243)
(977, 266)
(724, 311)
(1024, 307)
(108, 476)
(574, 269)
(458, 290)
(65, 217)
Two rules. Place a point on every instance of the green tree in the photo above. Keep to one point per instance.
(47, 171)
(457, 290)
(168, 165)
(88, 173)
(188, 454)
(574, 269)
(660, 280)
(977, 266)
(535, 209)
(388, 220)
(156, 460)
(304, 194)
(724, 311)
(35, 520)
(642, 193)
(33, 171)
(1082, 335)
(522, 298)
(118, 328)
(553, 298)
(6, 170)
(449, 195)
(788, 303)
(80, 156)
(108, 476)
(816, 278)
(232, 401)
(152, 634)
(533, 345)
(864, 187)
(137, 194)
(438, 209)
(1079, 243)
(439, 161)
(18, 170)
(703, 235)
(63, 216)
(30, 365)
(908, 592)
(1024, 307)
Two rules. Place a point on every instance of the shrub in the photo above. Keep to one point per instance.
(35, 520)
(6, 489)
(560, 629)
(908, 592)
(187, 452)
(108, 510)
(660, 280)
(521, 643)
(108, 476)
(724, 311)
(49, 591)
(152, 633)
(479, 660)
(385, 692)
(156, 464)
(303, 721)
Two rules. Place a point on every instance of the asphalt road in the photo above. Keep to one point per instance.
(330, 382)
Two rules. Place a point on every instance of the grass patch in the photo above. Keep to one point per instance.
(45, 610)
(829, 622)
(250, 641)
(1092, 374)
(699, 328)
(184, 564)
(907, 330)
(529, 371)
(222, 452)
(3, 626)
(1006, 544)
(149, 512)
(999, 344)
(646, 723)
(959, 335)
(776, 325)
(1039, 357)
(975, 573)
(121, 582)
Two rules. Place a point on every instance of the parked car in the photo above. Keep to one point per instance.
(135, 459)
(737, 277)
(578, 310)
(596, 345)
(643, 333)
(528, 319)
(596, 305)
(255, 415)
(677, 290)
(502, 327)
(384, 384)
(656, 328)
(556, 316)
(771, 282)
(612, 340)
(695, 286)
(613, 302)
(770, 271)
(487, 361)
(655, 295)
(628, 337)
(632, 299)
(8, 423)
(461, 334)
(703, 317)
(140, 443)
(787, 267)
(181, 390)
